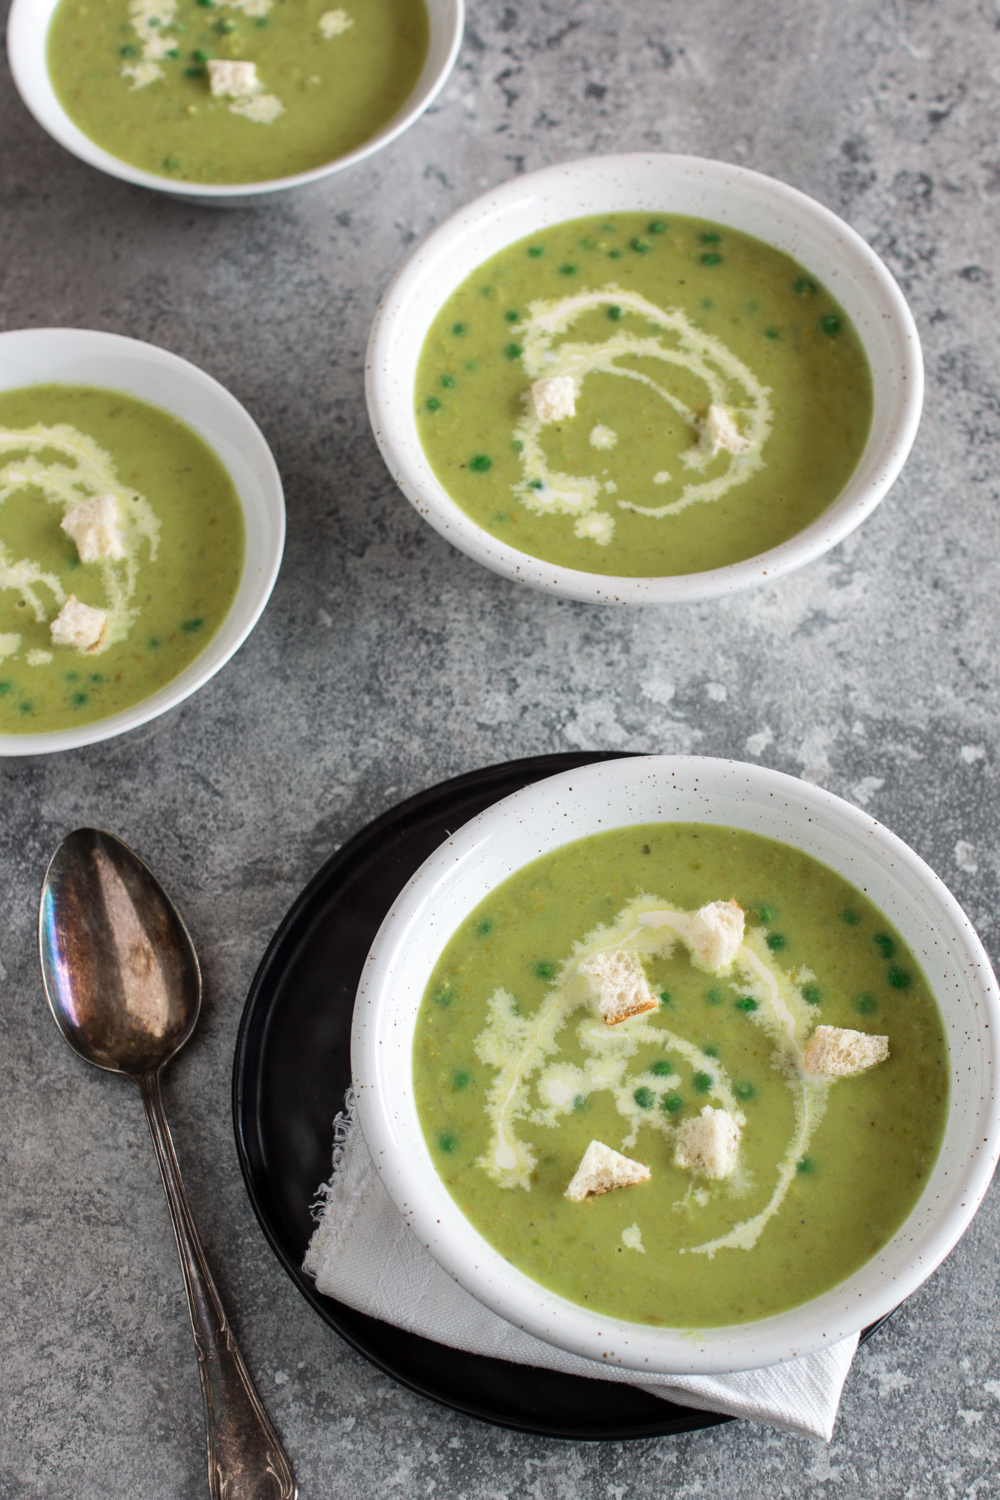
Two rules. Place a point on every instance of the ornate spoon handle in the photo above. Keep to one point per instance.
(245, 1458)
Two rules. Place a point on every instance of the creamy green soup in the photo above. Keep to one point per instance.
(722, 398)
(170, 553)
(311, 81)
(516, 1071)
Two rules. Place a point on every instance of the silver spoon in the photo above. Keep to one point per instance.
(124, 986)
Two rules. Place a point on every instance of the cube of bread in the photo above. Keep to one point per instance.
(835, 1051)
(708, 1143)
(621, 984)
(79, 625)
(93, 525)
(233, 80)
(601, 1170)
(722, 433)
(555, 399)
(716, 933)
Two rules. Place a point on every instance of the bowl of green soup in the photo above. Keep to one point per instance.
(644, 379)
(680, 1063)
(229, 102)
(142, 523)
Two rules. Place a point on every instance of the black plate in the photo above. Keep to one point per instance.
(290, 1074)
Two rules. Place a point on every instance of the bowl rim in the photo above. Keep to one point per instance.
(381, 1047)
(391, 414)
(269, 492)
(44, 104)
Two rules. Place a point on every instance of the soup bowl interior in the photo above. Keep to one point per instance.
(662, 184)
(27, 34)
(678, 789)
(74, 356)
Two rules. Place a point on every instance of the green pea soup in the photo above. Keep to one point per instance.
(183, 544)
(723, 397)
(515, 1072)
(134, 75)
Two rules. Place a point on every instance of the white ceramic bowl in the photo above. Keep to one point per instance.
(747, 201)
(687, 789)
(77, 356)
(27, 33)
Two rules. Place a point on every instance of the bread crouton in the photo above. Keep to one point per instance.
(716, 933)
(601, 1170)
(555, 398)
(233, 80)
(79, 625)
(93, 525)
(621, 985)
(708, 1143)
(835, 1052)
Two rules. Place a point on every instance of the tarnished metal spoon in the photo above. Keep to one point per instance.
(123, 983)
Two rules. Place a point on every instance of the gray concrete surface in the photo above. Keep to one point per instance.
(386, 661)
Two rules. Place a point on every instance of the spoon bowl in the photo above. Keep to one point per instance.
(119, 967)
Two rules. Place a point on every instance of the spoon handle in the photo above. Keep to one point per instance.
(245, 1458)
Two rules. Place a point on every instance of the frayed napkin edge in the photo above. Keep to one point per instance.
(329, 1233)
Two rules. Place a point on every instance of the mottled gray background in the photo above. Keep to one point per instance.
(386, 661)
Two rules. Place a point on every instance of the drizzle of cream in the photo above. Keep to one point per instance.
(25, 576)
(785, 1016)
(333, 23)
(632, 1239)
(142, 73)
(253, 8)
(517, 1047)
(775, 1000)
(262, 109)
(728, 382)
(89, 471)
(238, 81)
(520, 1049)
(150, 20)
(696, 1194)
(597, 528)
(810, 1106)
(10, 645)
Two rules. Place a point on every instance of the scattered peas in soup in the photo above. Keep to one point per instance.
(229, 91)
(517, 1068)
(121, 550)
(643, 396)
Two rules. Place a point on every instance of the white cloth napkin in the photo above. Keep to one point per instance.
(364, 1254)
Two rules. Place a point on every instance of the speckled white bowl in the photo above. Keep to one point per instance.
(77, 356)
(687, 789)
(27, 34)
(745, 200)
